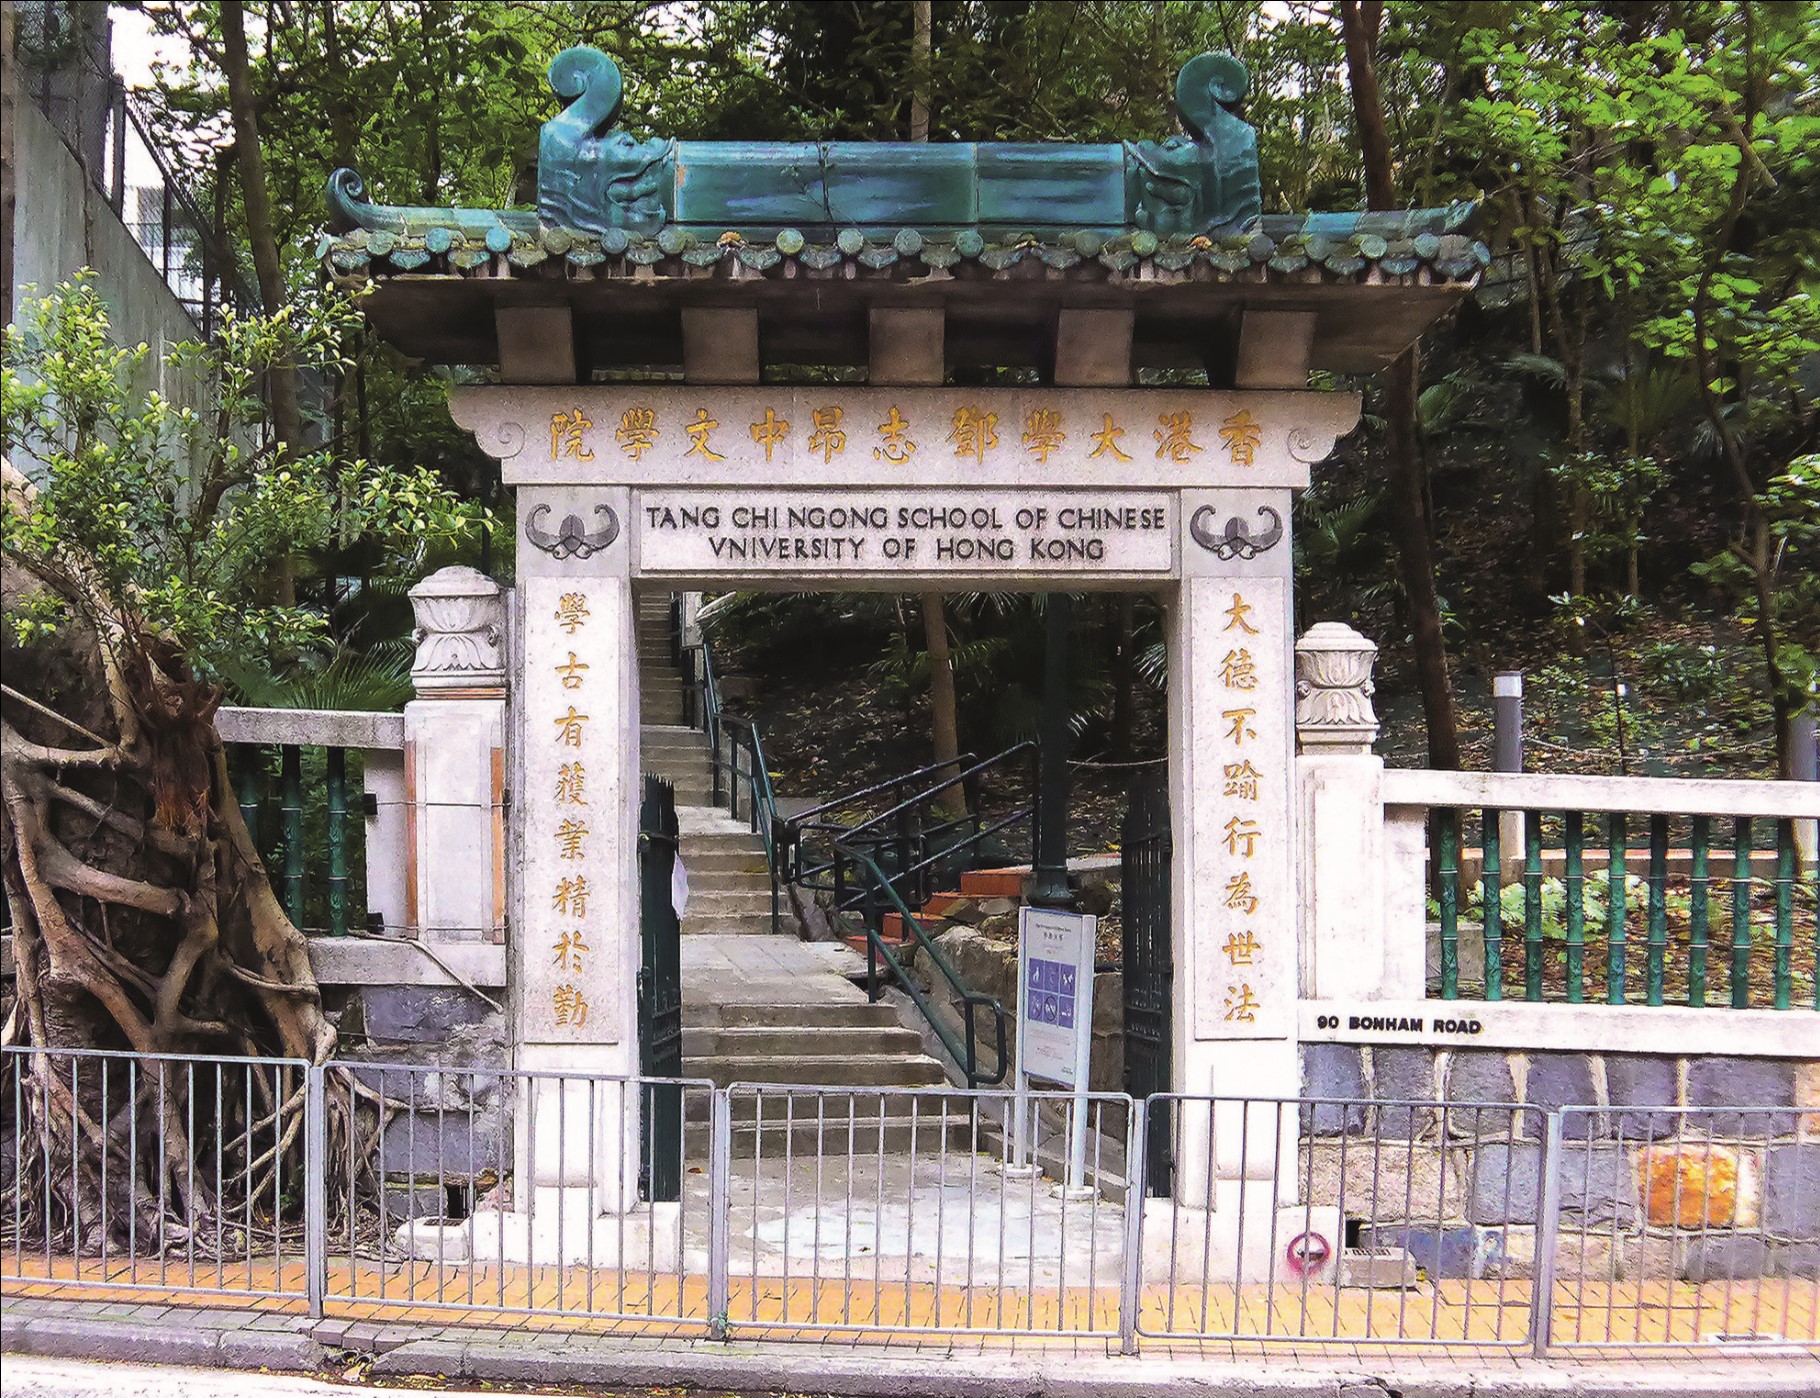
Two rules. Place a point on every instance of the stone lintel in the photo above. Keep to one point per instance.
(536, 344)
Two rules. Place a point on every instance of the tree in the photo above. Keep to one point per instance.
(1662, 165)
(134, 563)
(1411, 513)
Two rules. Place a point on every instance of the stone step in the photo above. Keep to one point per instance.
(692, 788)
(708, 882)
(750, 900)
(740, 841)
(820, 1041)
(817, 1014)
(767, 1140)
(728, 862)
(690, 744)
(709, 830)
(860, 1071)
(740, 925)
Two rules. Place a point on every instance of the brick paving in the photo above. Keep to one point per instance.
(1621, 1317)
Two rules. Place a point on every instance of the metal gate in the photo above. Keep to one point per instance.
(1146, 863)
(659, 993)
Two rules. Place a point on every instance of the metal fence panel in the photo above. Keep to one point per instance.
(474, 1189)
(1314, 1219)
(178, 1174)
(1685, 1226)
(914, 1209)
(808, 1211)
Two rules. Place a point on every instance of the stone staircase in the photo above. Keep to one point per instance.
(759, 1008)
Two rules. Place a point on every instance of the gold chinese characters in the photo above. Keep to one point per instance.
(570, 837)
(1243, 834)
(973, 429)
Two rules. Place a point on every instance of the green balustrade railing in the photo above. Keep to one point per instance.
(1657, 886)
(294, 800)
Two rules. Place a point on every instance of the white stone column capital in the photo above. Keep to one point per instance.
(1333, 689)
(460, 635)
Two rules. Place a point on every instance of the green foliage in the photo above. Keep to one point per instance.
(376, 679)
(172, 523)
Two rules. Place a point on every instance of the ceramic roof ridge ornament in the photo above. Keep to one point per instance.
(595, 177)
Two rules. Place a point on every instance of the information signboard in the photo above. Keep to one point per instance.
(1055, 995)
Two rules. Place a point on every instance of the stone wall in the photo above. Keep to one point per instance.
(1726, 1191)
(440, 1054)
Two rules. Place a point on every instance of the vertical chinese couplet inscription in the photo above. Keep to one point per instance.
(569, 732)
(1243, 788)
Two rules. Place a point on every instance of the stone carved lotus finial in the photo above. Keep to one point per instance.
(1333, 690)
(460, 635)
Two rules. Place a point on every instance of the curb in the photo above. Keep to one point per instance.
(298, 1345)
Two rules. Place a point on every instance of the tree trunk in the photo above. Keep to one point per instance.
(944, 724)
(287, 415)
(944, 716)
(142, 920)
(1402, 383)
(1124, 678)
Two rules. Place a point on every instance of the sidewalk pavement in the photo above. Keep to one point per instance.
(33, 1332)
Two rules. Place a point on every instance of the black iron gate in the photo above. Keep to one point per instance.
(659, 994)
(1146, 863)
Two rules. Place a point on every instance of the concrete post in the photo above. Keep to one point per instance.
(1344, 851)
(1507, 756)
(1806, 744)
(454, 759)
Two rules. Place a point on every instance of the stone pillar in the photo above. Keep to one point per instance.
(1232, 775)
(575, 953)
(1344, 849)
(454, 759)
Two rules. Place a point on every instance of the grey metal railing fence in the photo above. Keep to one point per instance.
(164, 1172)
(444, 1211)
(817, 1211)
(1709, 1217)
(1384, 1222)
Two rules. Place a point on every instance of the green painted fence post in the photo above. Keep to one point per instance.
(338, 841)
(1616, 871)
(1699, 881)
(1491, 873)
(247, 771)
(291, 800)
(1532, 905)
(1575, 837)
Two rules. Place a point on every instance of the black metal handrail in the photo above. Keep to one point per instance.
(915, 846)
(964, 1052)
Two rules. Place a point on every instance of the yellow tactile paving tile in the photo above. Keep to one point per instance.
(1611, 1316)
